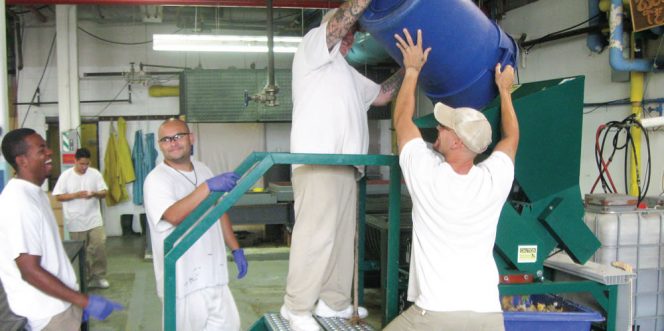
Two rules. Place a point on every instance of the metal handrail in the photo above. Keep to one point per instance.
(251, 170)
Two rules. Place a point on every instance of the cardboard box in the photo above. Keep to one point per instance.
(57, 210)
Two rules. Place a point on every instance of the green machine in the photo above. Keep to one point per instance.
(544, 210)
(543, 215)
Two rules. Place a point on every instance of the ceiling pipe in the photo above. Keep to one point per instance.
(268, 96)
(595, 41)
(215, 3)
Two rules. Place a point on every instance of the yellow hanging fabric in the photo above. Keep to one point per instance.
(111, 173)
(118, 167)
(124, 153)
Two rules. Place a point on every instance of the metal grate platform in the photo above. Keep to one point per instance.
(276, 323)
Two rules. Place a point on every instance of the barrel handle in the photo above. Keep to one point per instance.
(505, 56)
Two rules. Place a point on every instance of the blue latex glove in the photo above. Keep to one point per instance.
(99, 307)
(241, 262)
(222, 183)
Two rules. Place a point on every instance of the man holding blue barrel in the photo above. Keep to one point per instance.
(453, 279)
(330, 104)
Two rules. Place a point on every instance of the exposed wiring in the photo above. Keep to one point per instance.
(34, 95)
(565, 29)
(602, 166)
(26, 11)
(111, 101)
(621, 129)
(114, 42)
(606, 104)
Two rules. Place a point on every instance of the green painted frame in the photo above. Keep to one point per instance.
(251, 170)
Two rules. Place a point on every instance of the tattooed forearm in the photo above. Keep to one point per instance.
(344, 20)
(392, 84)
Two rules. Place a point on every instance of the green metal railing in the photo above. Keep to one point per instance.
(251, 170)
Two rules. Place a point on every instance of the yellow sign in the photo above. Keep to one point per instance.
(647, 14)
(527, 254)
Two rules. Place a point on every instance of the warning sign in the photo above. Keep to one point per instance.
(527, 254)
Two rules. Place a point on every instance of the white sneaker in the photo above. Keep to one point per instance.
(99, 283)
(299, 322)
(323, 310)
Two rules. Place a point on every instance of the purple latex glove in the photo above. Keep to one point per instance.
(99, 307)
(241, 262)
(222, 183)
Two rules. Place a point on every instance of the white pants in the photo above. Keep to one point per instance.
(320, 265)
(209, 309)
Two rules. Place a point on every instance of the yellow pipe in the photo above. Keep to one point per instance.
(636, 98)
(164, 91)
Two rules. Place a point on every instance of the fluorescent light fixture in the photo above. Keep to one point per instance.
(221, 43)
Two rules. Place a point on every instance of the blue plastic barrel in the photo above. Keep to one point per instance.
(466, 46)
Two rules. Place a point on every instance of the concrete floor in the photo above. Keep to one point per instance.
(133, 285)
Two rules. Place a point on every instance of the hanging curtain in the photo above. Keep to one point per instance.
(137, 158)
(145, 159)
(118, 168)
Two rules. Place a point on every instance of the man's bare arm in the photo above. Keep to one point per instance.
(35, 275)
(414, 58)
(389, 88)
(509, 124)
(344, 19)
(178, 211)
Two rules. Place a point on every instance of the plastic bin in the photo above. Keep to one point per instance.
(575, 317)
(635, 237)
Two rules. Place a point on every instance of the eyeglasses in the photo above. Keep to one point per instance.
(175, 137)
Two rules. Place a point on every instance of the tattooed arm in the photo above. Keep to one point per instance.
(389, 88)
(344, 20)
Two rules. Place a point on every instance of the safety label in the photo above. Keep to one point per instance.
(527, 254)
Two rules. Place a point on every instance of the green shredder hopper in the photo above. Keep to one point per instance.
(544, 211)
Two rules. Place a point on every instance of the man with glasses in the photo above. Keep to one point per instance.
(172, 190)
(453, 279)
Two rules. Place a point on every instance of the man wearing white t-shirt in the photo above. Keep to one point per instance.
(453, 279)
(34, 268)
(172, 190)
(79, 189)
(330, 104)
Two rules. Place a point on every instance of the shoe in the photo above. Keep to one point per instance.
(299, 322)
(323, 310)
(99, 283)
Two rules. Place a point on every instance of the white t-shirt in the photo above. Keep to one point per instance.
(204, 264)
(330, 100)
(454, 229)
(81, 214)
(28, 226)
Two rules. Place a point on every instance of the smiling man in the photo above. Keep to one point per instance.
(34, 267)
(173, 189)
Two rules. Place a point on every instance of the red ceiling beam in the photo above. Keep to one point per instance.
(215, 3)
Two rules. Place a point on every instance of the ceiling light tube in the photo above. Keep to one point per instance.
(222, 43)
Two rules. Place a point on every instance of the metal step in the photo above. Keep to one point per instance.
(275, 322)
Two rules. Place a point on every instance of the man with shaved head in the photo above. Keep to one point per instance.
(172, 190)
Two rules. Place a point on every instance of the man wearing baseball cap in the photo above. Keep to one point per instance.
(453, 278)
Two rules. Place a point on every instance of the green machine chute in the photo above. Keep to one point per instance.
(544, 211)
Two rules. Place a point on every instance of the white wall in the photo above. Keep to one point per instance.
(226, 149)
(571, 57)
(568, 57)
